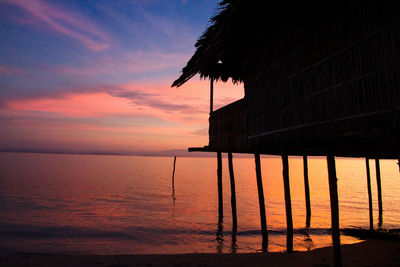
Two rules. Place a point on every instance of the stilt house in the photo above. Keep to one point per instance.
(319, 77)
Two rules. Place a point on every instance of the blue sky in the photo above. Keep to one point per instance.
(87, 75)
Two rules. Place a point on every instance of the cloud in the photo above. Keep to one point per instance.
(188, 103)
(115, 64)
(71, 24)
(134, 62)
(201, 132)
(9, 70)
(156, 101)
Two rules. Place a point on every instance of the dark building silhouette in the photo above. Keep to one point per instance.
(319, 77)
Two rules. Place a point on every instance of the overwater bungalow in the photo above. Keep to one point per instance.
(321, 78)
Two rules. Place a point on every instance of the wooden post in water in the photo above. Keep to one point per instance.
(371, 218)
(173, 179)
(233, 193)
(398, 164)
(211, 95)
(307, 191)
(288, 204)
(261, 201)
(334, 210)
(378, 183)
(219, 174)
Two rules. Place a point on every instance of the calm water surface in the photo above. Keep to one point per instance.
(84, 204)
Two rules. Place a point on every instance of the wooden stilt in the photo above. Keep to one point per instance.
(334, 210)
(288, 204)
(219, 174)
(261, 201)
(307, 191)
(371, 218)
(378, 183)
(211, 95)
(233, 193)
(173, 179)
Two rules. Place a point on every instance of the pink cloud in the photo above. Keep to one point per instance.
(9, 70)
(71, 121)
(128, 62)
(188, 104)
(146, 116)
(134, 62)
(105, 105)
(70, 24)
(80, 105)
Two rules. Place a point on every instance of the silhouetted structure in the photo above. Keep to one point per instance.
(173, 180)
(320, 78)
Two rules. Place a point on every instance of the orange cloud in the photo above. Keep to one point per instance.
(134, 115)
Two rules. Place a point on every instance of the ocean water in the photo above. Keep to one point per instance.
(92, 204)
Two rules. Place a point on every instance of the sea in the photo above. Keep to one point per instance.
(96, 204)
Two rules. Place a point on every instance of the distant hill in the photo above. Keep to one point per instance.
(164, 153)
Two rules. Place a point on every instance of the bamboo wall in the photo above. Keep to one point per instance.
(228, 126)
(337, 86)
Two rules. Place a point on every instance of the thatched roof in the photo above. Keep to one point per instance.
(210, 57)
(253, 34)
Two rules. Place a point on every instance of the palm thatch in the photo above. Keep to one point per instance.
(209, 58)
(242, 26)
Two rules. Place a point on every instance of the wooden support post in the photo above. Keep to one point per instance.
(334, 210)
(219, 174)
(288, 204)
(371, 218)
(261, 202)
(378, 183)
(211, 95)
(398, 164)
(307, 192)
(233, 193)
(173, 179)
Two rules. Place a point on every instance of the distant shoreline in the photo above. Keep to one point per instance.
(178, 153)
(100, 153)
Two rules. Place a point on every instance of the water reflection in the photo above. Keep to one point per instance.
(173, 212)
(173, 202)
(380, 220)
(234, 242)
(220, 235)
(309, 244)
(264, 244)
(124, 205)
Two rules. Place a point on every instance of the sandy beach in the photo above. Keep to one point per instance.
(367, 253)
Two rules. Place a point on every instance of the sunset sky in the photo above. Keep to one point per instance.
(96, 75)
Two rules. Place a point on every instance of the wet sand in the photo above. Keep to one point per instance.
(367, 253)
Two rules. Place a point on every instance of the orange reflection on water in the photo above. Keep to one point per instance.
(123, 204)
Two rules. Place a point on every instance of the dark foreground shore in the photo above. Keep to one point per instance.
(368, 253)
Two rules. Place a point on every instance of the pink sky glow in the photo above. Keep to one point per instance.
(96, 75)
(155, 117)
